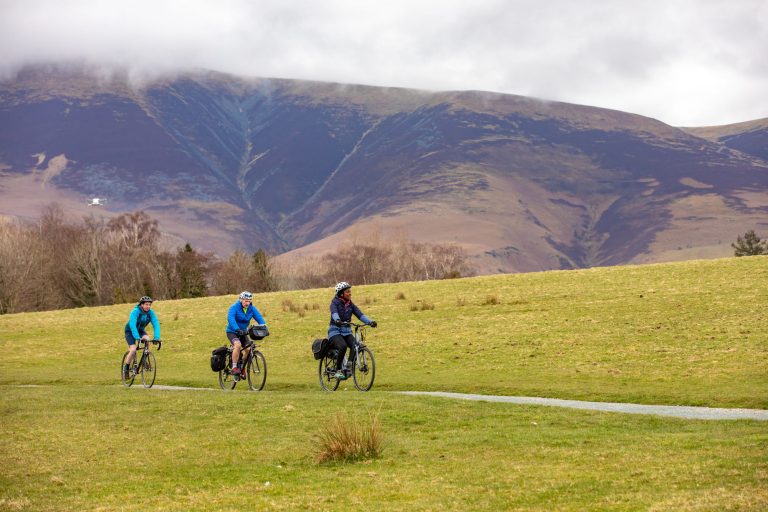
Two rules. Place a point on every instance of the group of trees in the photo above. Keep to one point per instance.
(373, 260)
(58, 263)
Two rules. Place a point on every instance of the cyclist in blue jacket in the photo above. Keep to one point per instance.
(141, 316)
(339, 333)
(239, 316)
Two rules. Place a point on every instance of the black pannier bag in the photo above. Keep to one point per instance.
(258, 332)
(319, 348)
(218, 359)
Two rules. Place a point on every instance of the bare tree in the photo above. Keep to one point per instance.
(135, 230)
(20, 259)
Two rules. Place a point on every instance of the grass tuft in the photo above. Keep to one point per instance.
(289, 306)
(422, 305)
(343, 440)
(491, 300)
(400, 296)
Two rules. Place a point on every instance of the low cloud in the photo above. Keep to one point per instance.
(686, 62)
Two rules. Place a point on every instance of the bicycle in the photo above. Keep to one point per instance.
(363, 366)
(146, 365)
(254, 363)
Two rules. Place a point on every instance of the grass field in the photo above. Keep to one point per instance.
(689, 333)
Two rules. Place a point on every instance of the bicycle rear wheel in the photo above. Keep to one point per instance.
(256, 370)
(225, 375)
(131, 374)
(325, 372)
(364, 369)
(148, 369)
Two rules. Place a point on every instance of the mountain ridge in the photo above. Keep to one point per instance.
(524, 184)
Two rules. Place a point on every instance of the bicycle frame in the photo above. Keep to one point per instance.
(245, 351)
(138, 361)
(359, 343)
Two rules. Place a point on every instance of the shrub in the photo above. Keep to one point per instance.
(342, 440)
(750, 245)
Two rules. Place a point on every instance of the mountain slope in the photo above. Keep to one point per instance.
(750, 137)
(522, 184)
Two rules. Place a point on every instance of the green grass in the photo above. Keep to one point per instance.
(689, 333)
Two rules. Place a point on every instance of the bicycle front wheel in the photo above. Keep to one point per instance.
(226, 381)
(257, 371)
(148, 369)
(364, 369)
(326, 371)
(127, 382)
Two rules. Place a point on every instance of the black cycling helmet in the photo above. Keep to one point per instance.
(144, 299)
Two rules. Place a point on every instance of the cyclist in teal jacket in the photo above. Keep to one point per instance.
(141, 316)
(239, 316)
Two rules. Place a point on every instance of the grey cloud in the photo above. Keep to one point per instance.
(615, 54)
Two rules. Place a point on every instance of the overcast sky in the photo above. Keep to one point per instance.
(685, 62)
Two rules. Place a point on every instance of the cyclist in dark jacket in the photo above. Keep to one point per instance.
(340, 335)
(141, 316)
(238, 317)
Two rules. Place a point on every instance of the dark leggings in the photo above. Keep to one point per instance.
(341, 343)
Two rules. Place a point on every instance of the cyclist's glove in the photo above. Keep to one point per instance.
(338, 323)
(373, 324)
(240, 332)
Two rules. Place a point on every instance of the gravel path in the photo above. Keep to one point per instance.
(181, 388)
(677, 411)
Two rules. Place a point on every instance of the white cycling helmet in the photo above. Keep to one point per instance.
(340, 287)
(246, 295)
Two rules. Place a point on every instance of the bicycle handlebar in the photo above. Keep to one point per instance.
(159, 343)
(353, 324)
